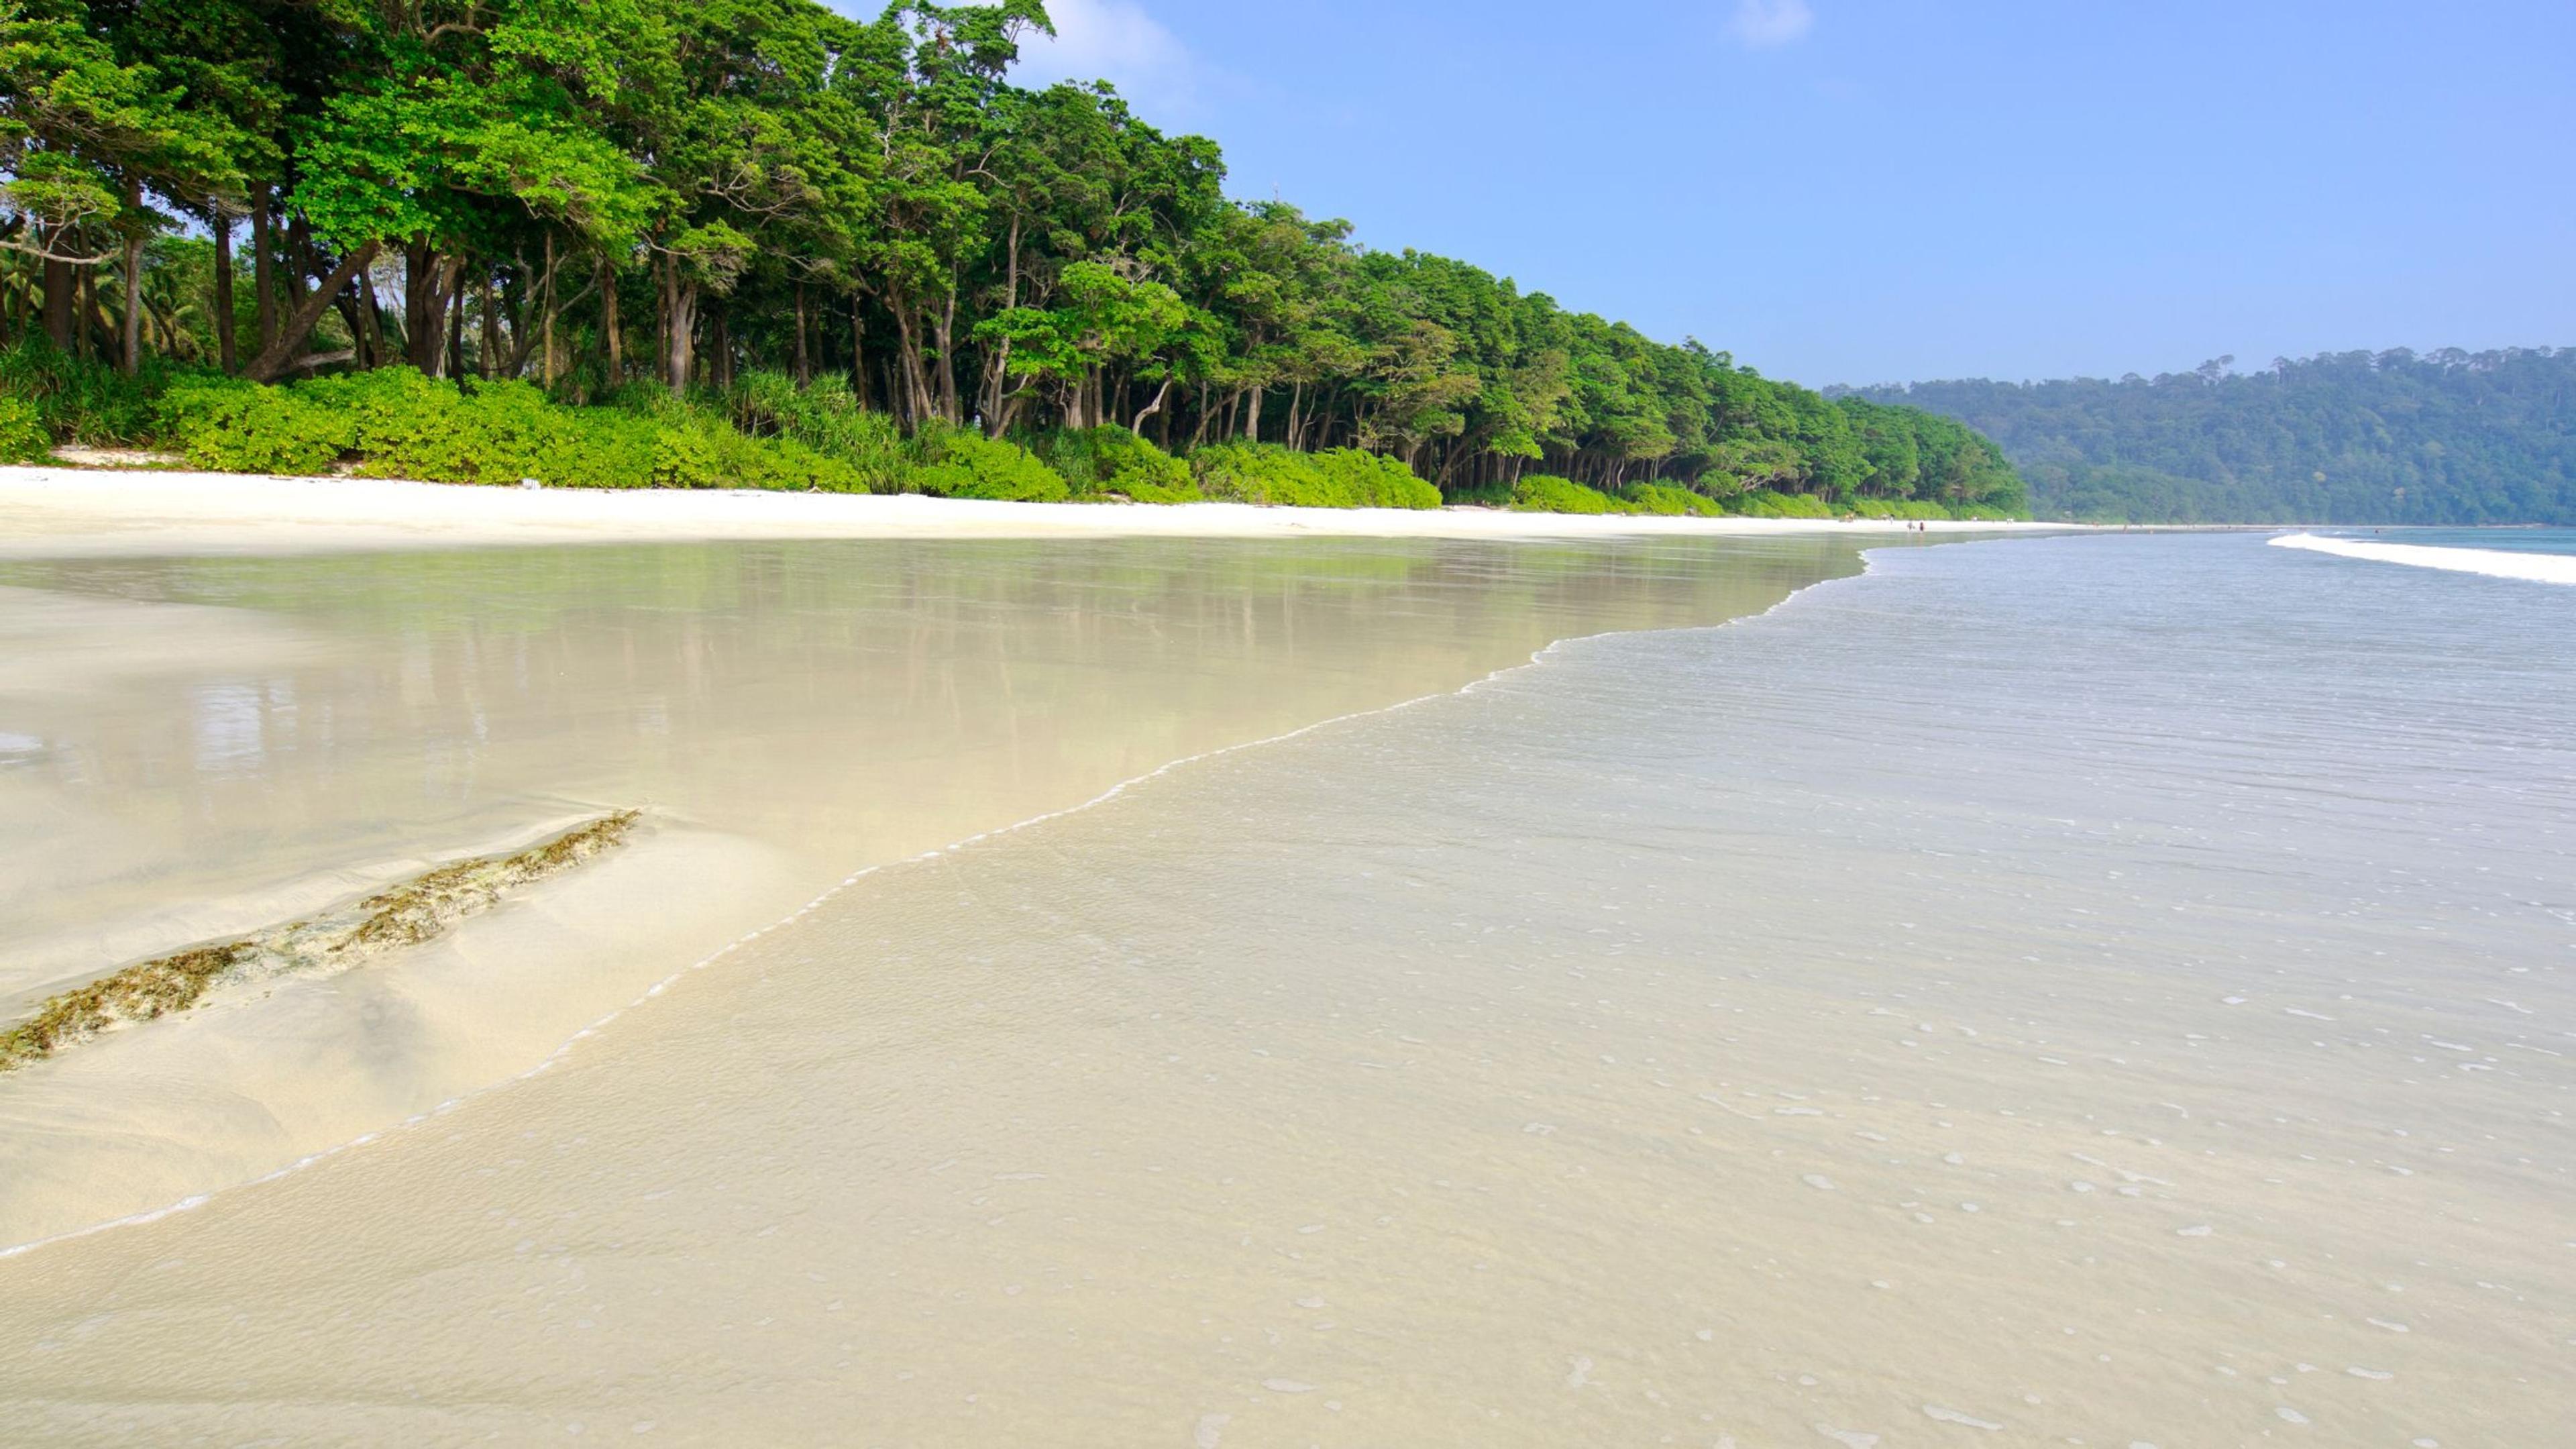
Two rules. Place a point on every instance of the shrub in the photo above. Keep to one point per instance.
(1370, 480)
(962, 464)
(90, 402)
(1665, 499)
(828, 418)
(405, 425)
(1764, 503)
(23, 438)
(1267, 473)
(1262, 473)
(398, 424)
(229, 426)
(1543, 494)
(1110, 459)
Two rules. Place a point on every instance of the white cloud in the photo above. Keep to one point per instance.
(1766, 23)
(1111, 40)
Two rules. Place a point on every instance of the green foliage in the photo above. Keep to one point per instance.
(1540, 493)
(825, 416)
(1664, 499)
(85, 402)
(394, 423)
(2356, 437)
(1267, 473)
(1763, 503)
(23, 438)
(228, 426)
(1372, 480)
(1111, 460)
(604, 194)
(970, 465)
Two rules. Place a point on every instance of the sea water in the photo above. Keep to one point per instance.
(2102, 991)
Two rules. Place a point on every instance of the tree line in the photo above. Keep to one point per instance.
(2396, 437)
(595, 194)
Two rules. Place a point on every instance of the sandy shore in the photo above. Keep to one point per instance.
(71, 513)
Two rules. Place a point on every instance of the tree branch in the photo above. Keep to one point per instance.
(298, 324)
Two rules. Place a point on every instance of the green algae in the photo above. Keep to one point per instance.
(417, 910)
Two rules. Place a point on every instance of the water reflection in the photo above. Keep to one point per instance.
(222, 729)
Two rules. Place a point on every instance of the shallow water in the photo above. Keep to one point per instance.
(2502, 540)
(2108, 991)
(193, 749)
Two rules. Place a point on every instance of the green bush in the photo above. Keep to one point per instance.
(959, 463)
(226, 425)
(828, 418)
(1370, 480)
(1263, 473)
(1764, 503)
(1543, 494)
(1667, 500)
(88, 402)
(1111, 460)
(1267, 473)
(23, 438)
(395, 423)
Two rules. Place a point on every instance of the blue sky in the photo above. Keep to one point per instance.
(1881, 190)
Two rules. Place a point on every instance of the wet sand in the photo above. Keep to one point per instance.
(204, 749)
(1997, 1001)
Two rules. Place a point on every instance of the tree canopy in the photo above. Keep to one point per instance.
(596, 194)
(2447, 437)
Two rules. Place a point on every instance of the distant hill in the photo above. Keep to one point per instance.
(2447, 437)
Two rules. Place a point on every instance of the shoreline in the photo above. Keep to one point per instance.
(51, 513)
(580, 953)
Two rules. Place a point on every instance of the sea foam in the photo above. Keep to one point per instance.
(2538, 568)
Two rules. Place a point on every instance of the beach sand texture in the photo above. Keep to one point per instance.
(64, 512)
(1995, 1001)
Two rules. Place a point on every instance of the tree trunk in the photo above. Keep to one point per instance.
(490, 348)
(608, 322)
(371, 313)
(62, 298)
(263, 267)
(1151, 408)
(132, 359)
(859, 348)
(1252, 417)
(680, 315)
(804, 357)
(548, 370)
(225, 346)
(945, 333)
(916, 388)
(273, 358)
(424, 316)
(451, 287)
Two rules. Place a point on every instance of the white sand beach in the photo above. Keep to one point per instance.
(89, 513)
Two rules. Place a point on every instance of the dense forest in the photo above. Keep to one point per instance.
(331, 233)
(2447, 437)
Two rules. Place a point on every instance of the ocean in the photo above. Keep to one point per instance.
(2104, 990)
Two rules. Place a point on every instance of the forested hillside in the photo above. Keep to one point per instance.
(2354, 437)
(855, 237)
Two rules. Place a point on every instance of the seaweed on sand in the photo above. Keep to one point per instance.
(417, 910)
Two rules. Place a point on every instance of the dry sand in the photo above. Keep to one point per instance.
(91, 513)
